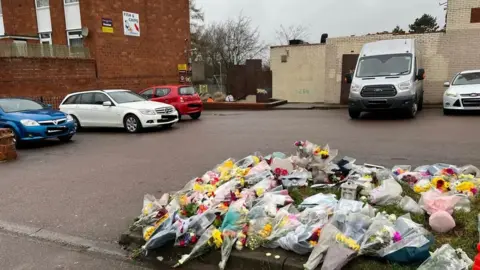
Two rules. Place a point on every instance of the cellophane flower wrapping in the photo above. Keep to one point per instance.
(414, 243)
(327, 201)
(202, 247)
(259, 230)
(447, 258)
(378, 236)
(195, 227)
(327, 238)
(229, 238)
(342, 251)
(284, 222)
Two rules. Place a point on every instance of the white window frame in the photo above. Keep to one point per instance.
(47, 6)
(1, 12)
(70, 2)
(73, 36)
(43, 39)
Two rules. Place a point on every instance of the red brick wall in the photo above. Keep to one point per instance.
(57, 17)
(19, 17)
(164, 29)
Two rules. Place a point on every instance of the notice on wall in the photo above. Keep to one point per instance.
(107, 25)
(131, 24)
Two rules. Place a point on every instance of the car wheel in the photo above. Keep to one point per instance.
(447, 112)
(412, 111)
(132, 123)
(195, 116)
(76, 122)
(354, 114)
(66, 138)
(168, 125)
(420, 104)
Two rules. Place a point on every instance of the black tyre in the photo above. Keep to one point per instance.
(195, 116)
(168, 126)
(132, 124)
(66, 138)
(78, 126)
(447, 112)
(354, 114)
(412, 111)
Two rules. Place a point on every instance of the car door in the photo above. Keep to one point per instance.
(84, 110)
(105, 116)
(163, 95)
(148, 93)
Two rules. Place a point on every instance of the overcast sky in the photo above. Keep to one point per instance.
(335, 17)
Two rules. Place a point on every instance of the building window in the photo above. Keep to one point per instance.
(71, 1)
(41, 3)
(0, 7)
(475, 16)
(75, 38)
(20, 47)
(45, 38)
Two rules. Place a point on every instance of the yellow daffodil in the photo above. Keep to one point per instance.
(148, 232)
(198, 187)
(217, 238)
(349, 242)
(147, 209)
(256, 160)
(259, 191)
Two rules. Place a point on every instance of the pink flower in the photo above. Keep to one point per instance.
(278, 171)
(474, 191)
(449, 171)
(397, 237)
(284, 172)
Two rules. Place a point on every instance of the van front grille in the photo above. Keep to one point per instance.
(378, 91)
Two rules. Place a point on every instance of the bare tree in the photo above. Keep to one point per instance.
(285, 34)
(231, 42)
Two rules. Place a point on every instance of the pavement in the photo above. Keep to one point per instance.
(24, 253)
(326, 106)
(93, 187)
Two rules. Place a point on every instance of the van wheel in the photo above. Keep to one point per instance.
(354, 114)
(132, 124)
(412, 111)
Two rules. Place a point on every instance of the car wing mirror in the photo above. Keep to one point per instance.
(446, 84)
(107, 103)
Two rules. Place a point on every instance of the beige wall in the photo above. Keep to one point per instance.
(459, 12)
(318, 68)
(302, 77)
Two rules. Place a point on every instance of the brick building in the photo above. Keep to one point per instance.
(314, 72)
(53, 47)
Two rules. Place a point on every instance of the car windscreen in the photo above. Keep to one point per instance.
(384, 65)
(19, 105)
(467, 79)
(186, 91)
(125, 96)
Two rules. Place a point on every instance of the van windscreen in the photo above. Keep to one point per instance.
(384, 65)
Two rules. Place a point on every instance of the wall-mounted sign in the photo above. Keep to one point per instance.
(182, 76)
(107, 25)
(182, 67)
(131, 24)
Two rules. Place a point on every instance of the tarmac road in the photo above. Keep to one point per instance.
(94, 186)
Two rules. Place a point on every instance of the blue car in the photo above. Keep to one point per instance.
(34, 121)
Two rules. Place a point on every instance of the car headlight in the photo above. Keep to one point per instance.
(69, 118)
(405, 86)
(449, 93)
(355, 87)
(29, 123)
(148, 112)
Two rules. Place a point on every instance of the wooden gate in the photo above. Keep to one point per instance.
(349, 61)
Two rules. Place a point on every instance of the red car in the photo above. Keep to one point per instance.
(182, 97)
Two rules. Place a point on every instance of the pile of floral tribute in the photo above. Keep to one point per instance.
(246, 204)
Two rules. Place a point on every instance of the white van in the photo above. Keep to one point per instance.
(388, 76)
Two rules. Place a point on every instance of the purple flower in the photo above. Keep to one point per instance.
(397, 237)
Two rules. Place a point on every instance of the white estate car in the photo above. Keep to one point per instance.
(117, 108)
(463, 92)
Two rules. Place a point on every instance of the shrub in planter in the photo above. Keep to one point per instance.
(262, 96)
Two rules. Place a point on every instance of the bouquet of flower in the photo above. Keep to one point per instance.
(203, 246)
(229, 238)
(441, 183)
(380, 239)
(258, 232)
(340, 253)
(466, 187)
(447, 258)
